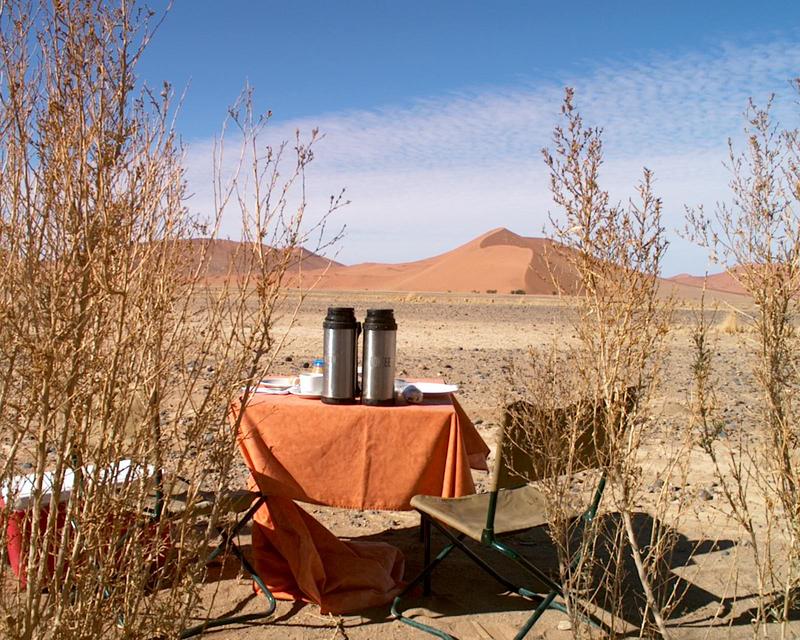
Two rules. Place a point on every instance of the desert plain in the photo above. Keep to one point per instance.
(471, 339)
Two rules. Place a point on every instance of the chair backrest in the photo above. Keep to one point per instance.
(578, 436)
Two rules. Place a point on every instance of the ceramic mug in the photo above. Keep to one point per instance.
(311, 384)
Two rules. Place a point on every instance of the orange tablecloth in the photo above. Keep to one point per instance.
(347, 456)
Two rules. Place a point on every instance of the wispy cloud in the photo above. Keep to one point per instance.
(425, 177)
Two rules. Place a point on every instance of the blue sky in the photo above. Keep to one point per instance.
(435, 112)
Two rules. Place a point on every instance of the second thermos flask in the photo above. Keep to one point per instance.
(380, 350)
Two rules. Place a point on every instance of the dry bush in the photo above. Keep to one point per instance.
(731, 323)
(620, 324)
(757, 238)
(113, 345)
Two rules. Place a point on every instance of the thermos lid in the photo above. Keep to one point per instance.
(380, 320)
(340, 318)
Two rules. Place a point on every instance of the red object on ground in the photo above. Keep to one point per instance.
(19, 526)
(19, 529)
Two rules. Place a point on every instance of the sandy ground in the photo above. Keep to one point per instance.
(469, 340)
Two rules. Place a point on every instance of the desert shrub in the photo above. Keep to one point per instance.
(113, 344)
(606, 381)
(491, 291)
(757, 238)
(518, 292)
(731, 324)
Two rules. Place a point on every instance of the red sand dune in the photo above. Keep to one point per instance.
(724, 282)
(499, 260)
(223, 258)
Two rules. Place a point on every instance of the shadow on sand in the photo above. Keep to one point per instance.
(460, 588)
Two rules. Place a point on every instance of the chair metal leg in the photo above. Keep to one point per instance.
(530, 567)
(396, 611)
(424, 576)
(557, 590)
(228, 543)
(425, 523)
(546, 601)
(458, 541)
(543, 606)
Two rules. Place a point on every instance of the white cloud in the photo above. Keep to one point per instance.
(425, 178)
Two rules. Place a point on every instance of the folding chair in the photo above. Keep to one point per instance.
(235, 502)
(510, 506)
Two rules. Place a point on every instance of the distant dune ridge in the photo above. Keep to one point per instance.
(224, 258)
(498, 261)
(724, 282)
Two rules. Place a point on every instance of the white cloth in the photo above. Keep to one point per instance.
(22, 489)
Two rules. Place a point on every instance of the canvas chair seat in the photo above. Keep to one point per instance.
(517, 510)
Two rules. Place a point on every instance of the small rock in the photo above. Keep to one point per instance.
(705, 494)
(448, 366)
(564, 625)
(26, 466)
(655, 486)
(478, 421)
(306, 365)
(288, 359)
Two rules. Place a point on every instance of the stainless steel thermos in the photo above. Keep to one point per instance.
(340, 347)
(380, 351)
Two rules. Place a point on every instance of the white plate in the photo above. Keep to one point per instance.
(295, 391)
(281, 382)
(274, 391)
(434, 388)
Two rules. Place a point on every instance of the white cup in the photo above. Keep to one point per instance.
(311, 384)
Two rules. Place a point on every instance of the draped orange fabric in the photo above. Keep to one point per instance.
(349, 456)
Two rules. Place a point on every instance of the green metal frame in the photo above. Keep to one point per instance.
(228, 544)
(490, 540)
